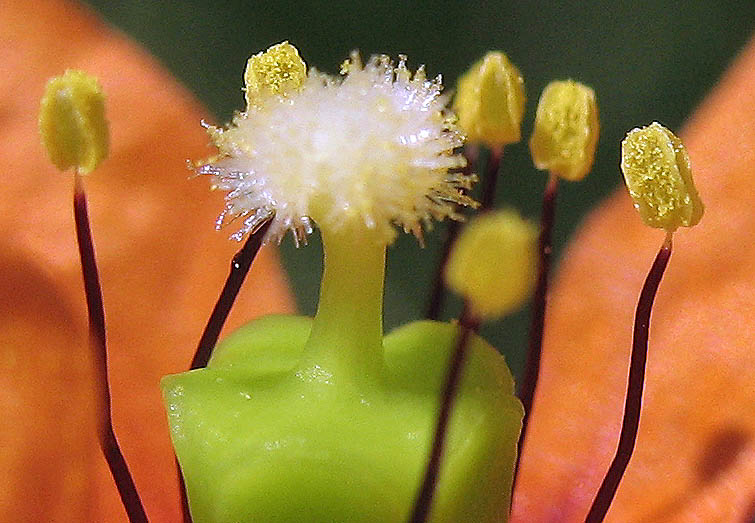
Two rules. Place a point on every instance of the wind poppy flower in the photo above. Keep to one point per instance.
(162, 266)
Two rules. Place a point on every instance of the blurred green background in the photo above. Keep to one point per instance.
(646, 60)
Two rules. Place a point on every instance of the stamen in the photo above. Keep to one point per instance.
(563, 142)
(630, 425)
(495, 244)
(537, 323)
(490, 105)
(423, 504)
(108, 442)
(75, 134)
(240, 265)
(657, 173)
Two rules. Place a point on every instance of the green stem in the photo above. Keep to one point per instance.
(346, 342)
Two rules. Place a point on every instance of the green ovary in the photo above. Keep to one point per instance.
(300, 419)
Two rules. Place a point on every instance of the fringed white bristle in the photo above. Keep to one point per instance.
(377, 145)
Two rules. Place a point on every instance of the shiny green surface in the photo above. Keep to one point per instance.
(259, 441)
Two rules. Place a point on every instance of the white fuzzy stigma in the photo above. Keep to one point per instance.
(375, 147)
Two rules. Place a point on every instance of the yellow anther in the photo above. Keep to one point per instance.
(490, 101)
(658, 175)
(493, 263)
(566, 130)
(278, 70)
(72, 121)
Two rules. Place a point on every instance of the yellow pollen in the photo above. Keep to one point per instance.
(279, 70)
(566, 130)
(659, 178)
(72, 121)
(490, 101)
(493, 263)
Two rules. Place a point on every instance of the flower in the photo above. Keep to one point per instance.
(701, 418)
(376, 145)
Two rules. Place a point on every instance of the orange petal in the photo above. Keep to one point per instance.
(161, 262)
(695, 453)
(46, 403)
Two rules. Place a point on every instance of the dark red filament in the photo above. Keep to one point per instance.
(240, 265)
(97, 342)
(424, 499)
(532, 369)
(631, 423)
